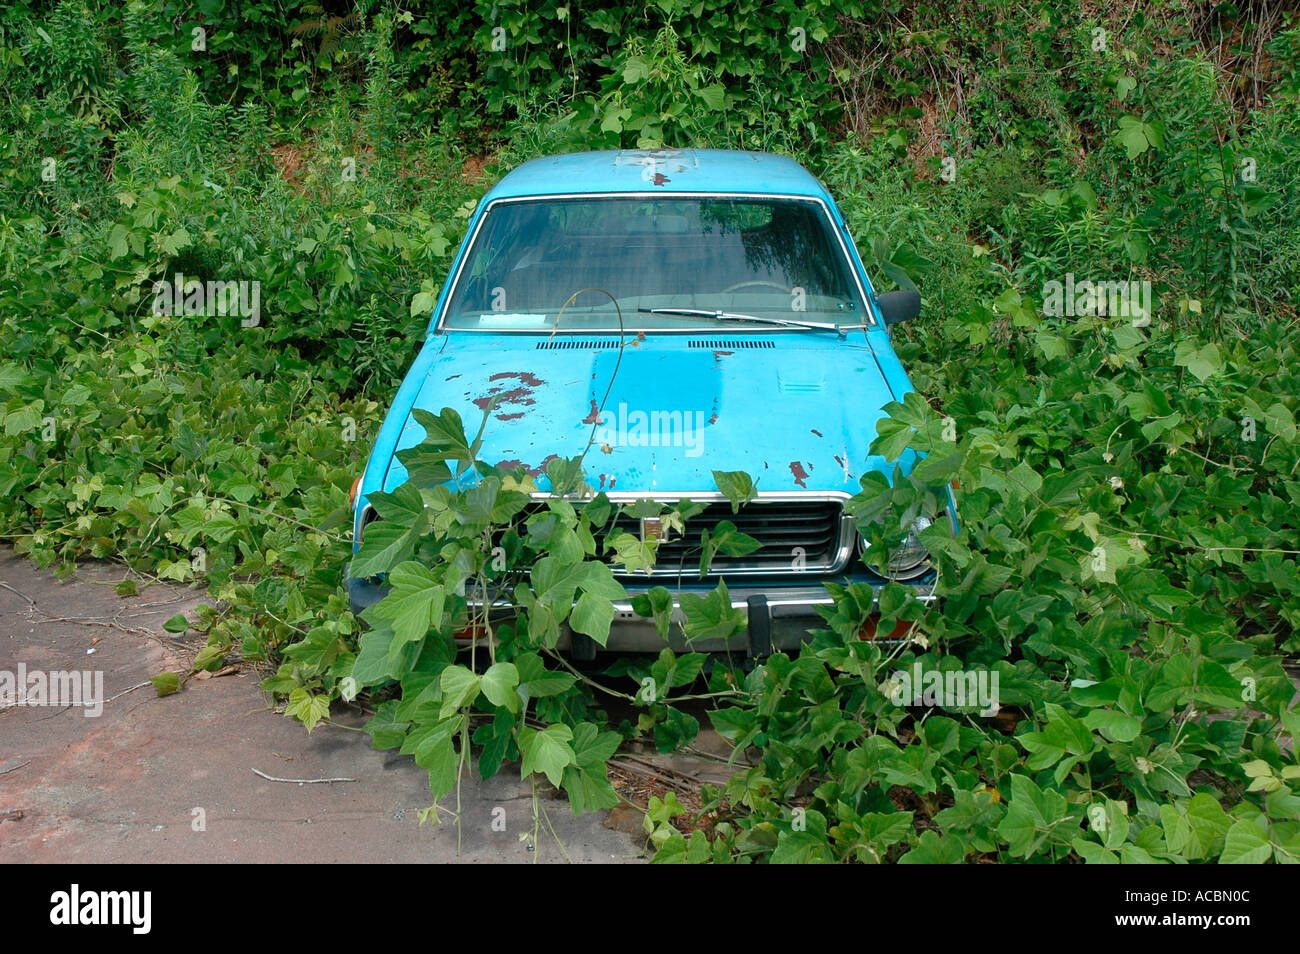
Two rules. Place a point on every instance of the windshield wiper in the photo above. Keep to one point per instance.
(730, 316)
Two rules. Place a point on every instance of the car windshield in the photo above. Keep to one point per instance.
(744, 257)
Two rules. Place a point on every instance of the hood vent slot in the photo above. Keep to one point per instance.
(606, 344)
(571, 344)
(716, 344)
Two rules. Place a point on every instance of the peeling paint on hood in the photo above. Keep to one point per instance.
(673, 413)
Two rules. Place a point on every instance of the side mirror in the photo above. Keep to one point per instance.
(899, 306)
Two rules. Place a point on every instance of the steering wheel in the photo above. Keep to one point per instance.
(765, 284)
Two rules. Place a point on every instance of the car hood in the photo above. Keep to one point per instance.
(796, 411)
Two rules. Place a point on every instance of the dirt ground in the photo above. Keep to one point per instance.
(159, 780)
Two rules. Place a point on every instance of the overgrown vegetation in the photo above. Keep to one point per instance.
(1129, 493)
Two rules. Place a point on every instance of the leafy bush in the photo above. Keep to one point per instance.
(1126, 559)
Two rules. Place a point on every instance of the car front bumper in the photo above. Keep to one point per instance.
(779, 617)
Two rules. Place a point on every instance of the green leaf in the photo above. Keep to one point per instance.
(1203, 362)
(1245, 844)
(598, 580)
(801, 848)
(495, 737)
(1109, 820)
(712, 616)
(1052, 346)
(592, 616)
(733, 723)
(1093, 853)
(547, 752)
(444, 440)
(1062, 734)
(442, 762)
(383, 546)
(166, 682)
(1207, 823)
(537, 681)
(614, 117)
(893, 437)
(435, 752)
(677, 728)
(671, 670)
(1114, 725)
(445, 429)
(655, 603)
(1033, 818)
(630, 552)
(737, 486)
(23, 419)
(587, 793)
(714, 96)
(459, 687)
(374, 664)
(971, 811)
(211, 657)
(935, 849)
(727, 540)
(896, 431)
(1136, 136)
(587, 781)
(413, 606)
(499, 683)
(636, 70)
(13, 377)
(404, 506)
(885, 829)
(386, 731)
(308, 708)
(117, 246)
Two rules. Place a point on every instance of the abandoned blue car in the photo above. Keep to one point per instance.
(754, 342)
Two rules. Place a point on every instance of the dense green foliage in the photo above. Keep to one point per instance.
(1129, 486)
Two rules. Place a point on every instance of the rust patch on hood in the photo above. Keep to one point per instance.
(513, 396)
(800, 475)
(531, 380)
(537, 471)
(521, 395)
(540, 469)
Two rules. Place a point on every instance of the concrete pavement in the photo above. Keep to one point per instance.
(160, 780)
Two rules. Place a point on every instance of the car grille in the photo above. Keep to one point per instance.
(783, 527)
(796, 536)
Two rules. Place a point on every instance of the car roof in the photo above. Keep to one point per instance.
(654, 170)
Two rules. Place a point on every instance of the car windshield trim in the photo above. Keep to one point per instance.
(732, 316)
(861, 283)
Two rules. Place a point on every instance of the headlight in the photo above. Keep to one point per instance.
(910, 559)
(368, 515)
